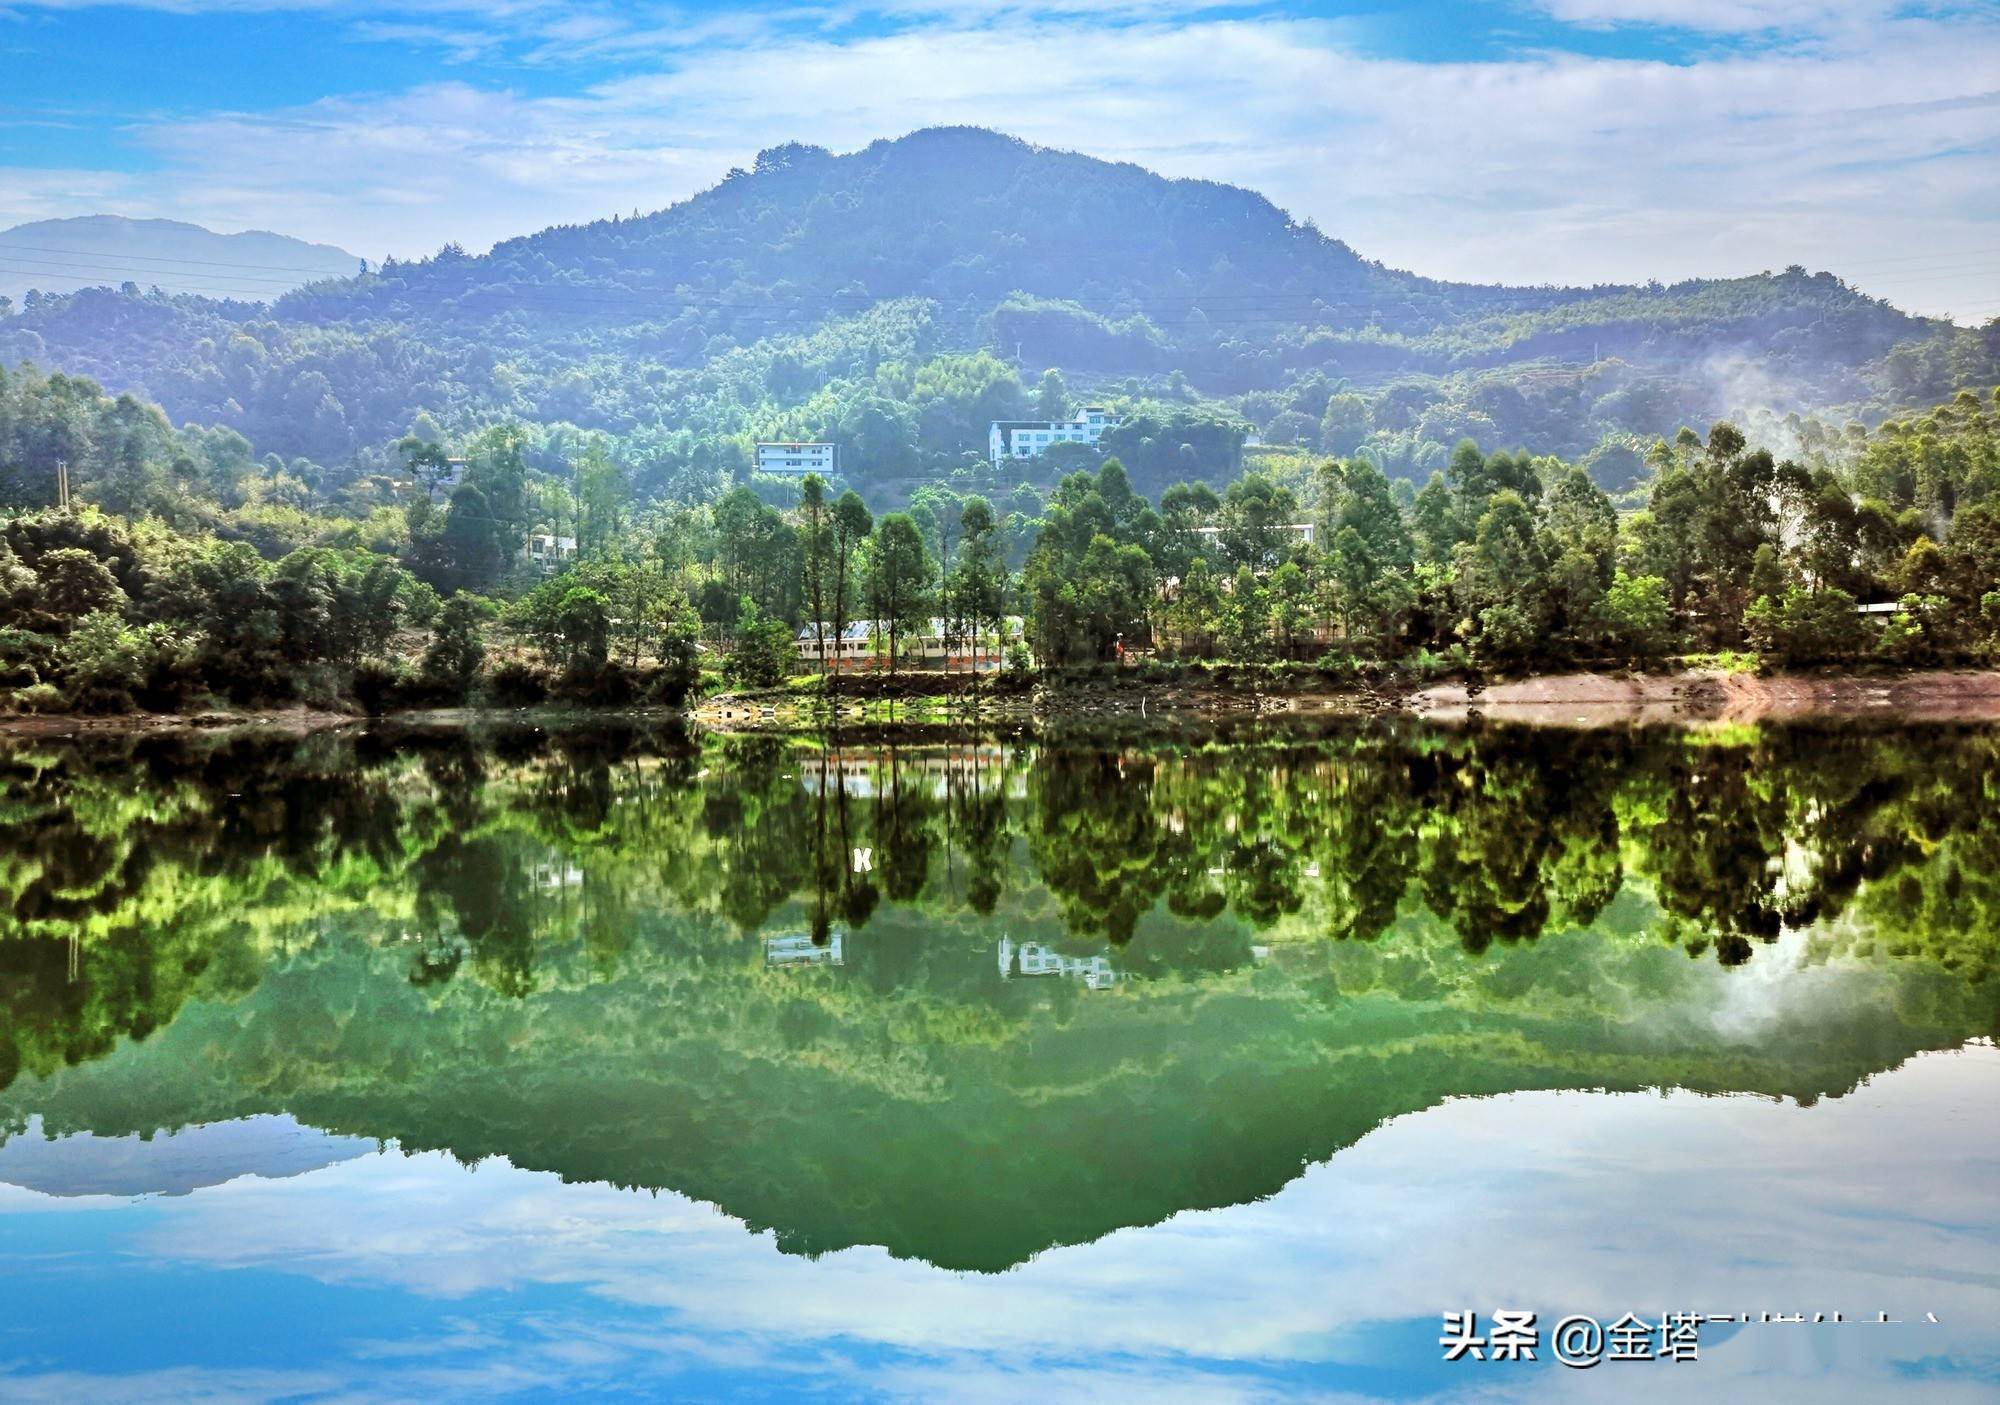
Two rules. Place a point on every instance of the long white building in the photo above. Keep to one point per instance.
(796, 460)
(934, 644)
(1027, 439)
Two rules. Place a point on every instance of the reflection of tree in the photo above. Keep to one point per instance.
(177, 867)
(479, 887)
(1094, 837)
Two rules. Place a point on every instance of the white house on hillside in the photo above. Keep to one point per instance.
(796, 460)
(548, 551)
(1027, 439)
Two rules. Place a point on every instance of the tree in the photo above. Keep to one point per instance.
(425, 462)
(1255, 513)
(978, 586)
(602, 494)
(458, 644)
(1196, 613)
(72, 583)
(1345, 424)
(816, 552)
(763, 654)
(1502, 578)
(900, 576)
(1052, 397)
(570, 623)
(852, 525)
(1634, 615)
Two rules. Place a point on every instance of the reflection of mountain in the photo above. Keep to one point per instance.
(579, 951)
(172, 1163)
(951, 1124)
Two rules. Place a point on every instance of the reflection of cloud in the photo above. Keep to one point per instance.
(194, 1386)
(1883, 1200)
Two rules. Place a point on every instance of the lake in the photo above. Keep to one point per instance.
(507, 1062)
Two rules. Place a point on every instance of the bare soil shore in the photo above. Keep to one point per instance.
(292, 720)
(1589, 699)
(1690, 697)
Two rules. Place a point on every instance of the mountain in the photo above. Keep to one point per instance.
(896, 298)
(59, 256)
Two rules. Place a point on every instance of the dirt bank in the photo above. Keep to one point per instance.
(296, 720)
(1589, 699)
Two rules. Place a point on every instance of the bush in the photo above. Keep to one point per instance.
(38, 697)
(25, 657)
(457, 648)
(763, 656)
(1807, 626)
(517, 684)
(382, 687)
(612, 685)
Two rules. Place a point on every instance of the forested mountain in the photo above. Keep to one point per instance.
(896, 298)
(59, 256)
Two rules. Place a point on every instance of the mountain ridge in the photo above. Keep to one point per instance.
(817, 295)
(62, 255)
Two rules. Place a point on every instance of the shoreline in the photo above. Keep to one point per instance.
(1687, 697)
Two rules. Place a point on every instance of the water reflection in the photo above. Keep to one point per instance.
(968, 1002)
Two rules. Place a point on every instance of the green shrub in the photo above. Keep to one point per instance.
(517, 684)
(38, 697)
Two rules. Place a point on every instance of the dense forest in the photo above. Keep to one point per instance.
(892, 301)
(1316, 461)
(187, 571)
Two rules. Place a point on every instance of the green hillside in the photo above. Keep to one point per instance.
(897, 298)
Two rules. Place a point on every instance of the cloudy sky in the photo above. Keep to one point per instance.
(1525, 140)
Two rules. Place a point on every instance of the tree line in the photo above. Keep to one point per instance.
(182, 572)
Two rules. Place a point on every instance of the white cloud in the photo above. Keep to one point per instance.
(1718, 16)
(1540, 167)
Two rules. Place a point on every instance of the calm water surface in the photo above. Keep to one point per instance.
(516, 1064)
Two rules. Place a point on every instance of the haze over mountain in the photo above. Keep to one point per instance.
(896, 298)
(58, 256)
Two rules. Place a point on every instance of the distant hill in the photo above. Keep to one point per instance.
(895, 298)
(58, 256)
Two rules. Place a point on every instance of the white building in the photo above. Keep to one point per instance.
(1027, 439)
(796, 460)
(1307, 532)
(548, 551)
(865, 644)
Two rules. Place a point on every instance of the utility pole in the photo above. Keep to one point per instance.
(62, 484)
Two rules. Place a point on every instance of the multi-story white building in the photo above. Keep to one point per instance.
(1027, 439)
(549, 552)
(796, 460)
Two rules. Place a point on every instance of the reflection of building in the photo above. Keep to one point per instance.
(863, 772)
(1035, 959)
(555, 875)
(799, 949)
(1029, 439)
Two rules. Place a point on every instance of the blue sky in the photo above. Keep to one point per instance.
(1526, 140)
